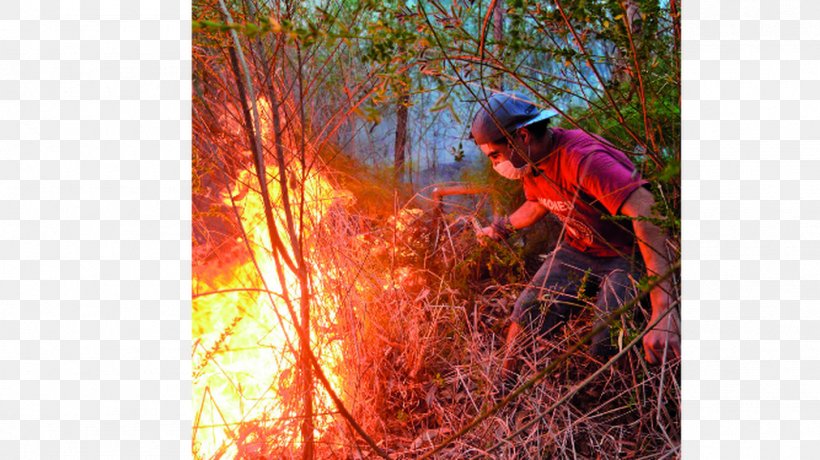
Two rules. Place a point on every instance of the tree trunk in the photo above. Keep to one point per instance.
(401, 136)
(498, 35)
(307, 374)
(304, 280)
(622, 70)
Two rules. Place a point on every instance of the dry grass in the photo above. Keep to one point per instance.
(421, 310)
(423, 337)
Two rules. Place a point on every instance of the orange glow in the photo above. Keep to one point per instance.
(245, 370)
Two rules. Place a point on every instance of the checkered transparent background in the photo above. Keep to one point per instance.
(95, 229)
(751, 210)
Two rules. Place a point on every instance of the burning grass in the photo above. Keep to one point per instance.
(245, 370)
(407, 313)
(409, 316)
(432, 365)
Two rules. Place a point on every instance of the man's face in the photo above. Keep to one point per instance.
(518, 148)
(497, 152)
(503, 151)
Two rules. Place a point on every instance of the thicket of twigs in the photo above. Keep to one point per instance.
(426, 362)
(418, 308)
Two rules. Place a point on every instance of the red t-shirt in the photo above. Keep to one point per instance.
(582, 180)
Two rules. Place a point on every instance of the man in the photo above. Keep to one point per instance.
(581, 179)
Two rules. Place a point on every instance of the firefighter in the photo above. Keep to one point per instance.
(582, 180)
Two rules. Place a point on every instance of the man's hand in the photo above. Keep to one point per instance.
(500, 229)
(652, 242)
(665, 334)
(487, 233)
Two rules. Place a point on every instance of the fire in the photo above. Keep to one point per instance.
(245, 391)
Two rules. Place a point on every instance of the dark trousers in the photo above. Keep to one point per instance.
(564, 285)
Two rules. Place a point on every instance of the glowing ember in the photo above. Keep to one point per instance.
(245, 389)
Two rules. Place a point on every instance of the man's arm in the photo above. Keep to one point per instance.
(651, 241)
(527, 214)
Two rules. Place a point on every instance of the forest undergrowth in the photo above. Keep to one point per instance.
(338, 311)
(429, 359)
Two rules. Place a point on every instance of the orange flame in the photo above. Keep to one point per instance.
(244, 365)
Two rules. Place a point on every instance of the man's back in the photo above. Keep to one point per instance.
(581, 181)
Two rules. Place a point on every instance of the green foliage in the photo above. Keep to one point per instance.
(457, 152)
(498, 261)
(357, 59)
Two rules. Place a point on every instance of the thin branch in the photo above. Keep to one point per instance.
(577, 387)
(551, 367)
(594, 69)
